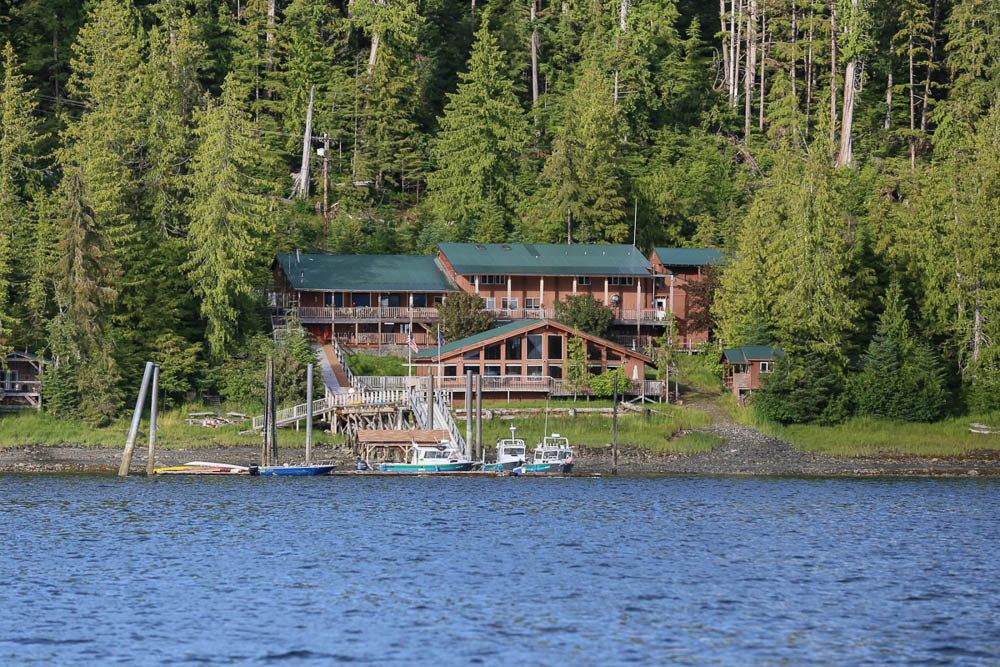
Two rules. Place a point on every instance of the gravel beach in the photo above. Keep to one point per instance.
(745, 452)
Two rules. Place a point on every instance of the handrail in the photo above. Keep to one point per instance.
(342, 360)
(332, 400)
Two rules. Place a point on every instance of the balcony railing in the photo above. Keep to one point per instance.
(20, 387)
(390, 313)
(376, 339)
(647, 315)
(521, 313)
(541, 383)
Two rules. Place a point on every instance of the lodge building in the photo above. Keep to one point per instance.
(378, 300)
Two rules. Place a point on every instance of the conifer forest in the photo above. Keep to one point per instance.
(844, 153)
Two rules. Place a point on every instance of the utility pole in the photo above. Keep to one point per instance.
(569, 226)
(326, 183)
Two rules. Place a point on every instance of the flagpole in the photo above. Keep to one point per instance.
(409, 357)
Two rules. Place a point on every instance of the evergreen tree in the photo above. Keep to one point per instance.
(483, 135)
(581, 184)
(230, 216)
(18, 137)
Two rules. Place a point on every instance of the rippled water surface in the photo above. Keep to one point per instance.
(393, 570)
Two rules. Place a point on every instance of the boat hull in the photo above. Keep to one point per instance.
(500, 467)
(294, 471)
(423, 467)
(544, 467)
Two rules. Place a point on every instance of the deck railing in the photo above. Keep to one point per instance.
(332, 400)
(388, 313)
(18, 387)
(379, 382)
(376, 339)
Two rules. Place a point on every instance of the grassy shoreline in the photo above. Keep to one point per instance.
(868, 437)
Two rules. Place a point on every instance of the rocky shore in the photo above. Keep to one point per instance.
(745, 452)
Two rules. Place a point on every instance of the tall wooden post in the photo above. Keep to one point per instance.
(152, 421)
(468, 412)
(479, 414)
(303, 189)
(309, 413)
(614, 426)
(430, 403)
(133, 430)
(274, 421)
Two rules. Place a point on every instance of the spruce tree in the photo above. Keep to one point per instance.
(483, 135)
(581, 183)
(230, 215)
(18, 137)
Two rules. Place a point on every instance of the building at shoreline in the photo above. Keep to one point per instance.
(380, 300)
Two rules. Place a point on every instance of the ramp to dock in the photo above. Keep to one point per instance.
(333, 374)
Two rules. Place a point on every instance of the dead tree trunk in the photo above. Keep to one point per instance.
(725, 46)
(833, 76)
(751, 66)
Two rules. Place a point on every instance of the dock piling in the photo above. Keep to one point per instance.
(468, 414)
(614, 427)
(479, 414)
(152, 420)
(309, 413)
(133, 430)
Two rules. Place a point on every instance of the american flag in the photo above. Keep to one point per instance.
(412, 344)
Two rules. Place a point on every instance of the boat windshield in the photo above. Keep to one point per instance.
(564, 455)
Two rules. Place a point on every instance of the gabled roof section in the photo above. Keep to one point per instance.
(522, 326)
(748, 353)
(689, 256)
(365, 273)
(14, 355)
(545, 259)
(470, 341)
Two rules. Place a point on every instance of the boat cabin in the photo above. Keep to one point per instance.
(554, 449)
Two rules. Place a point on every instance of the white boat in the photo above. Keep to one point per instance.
(510, 453)
(552, 454)
(443, 457)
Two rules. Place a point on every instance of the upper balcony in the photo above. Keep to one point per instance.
(365, 314)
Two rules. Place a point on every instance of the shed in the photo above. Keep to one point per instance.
(376, 446)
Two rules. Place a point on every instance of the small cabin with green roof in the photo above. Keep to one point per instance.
(744, 367)
(21, 381)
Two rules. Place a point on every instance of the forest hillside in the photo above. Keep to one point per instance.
(845, 154)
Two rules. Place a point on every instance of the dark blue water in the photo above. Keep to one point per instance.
(588, 571)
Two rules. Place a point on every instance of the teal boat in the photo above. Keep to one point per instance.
(552, 455)
(430, 458)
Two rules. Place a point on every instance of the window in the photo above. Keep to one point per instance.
(583, 280)
(513, 348)
(338, 299)
(535, 347)
(489, 304)
(594, 369)
(593, 353)
(535, 371)
(361, 299)
(491, 370)
(471, 355)
(419, 300)
(621, 280)
(450, 371)
(492, 280)
(471, 368)
(512, 369)
(555, 371)
(532, 302)
(555, 347)
(508, 304)
(613, 356)
(765, 367)
(492, 352)
(438, 300)
(9, 381)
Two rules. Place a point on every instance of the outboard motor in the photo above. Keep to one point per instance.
(361, 465)
(253, 469)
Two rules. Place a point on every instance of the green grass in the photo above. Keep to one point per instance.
(634, 430)
(864, 436)
(368, 364)
(31, 428)
(695, 377)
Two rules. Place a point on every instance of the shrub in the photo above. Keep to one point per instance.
(585, 313)
(603, 384)
(463, 315)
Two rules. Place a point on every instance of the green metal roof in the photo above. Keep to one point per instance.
(510, 327)
(689, 256)
(545, 259)
(747, 353)
(365, 273)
